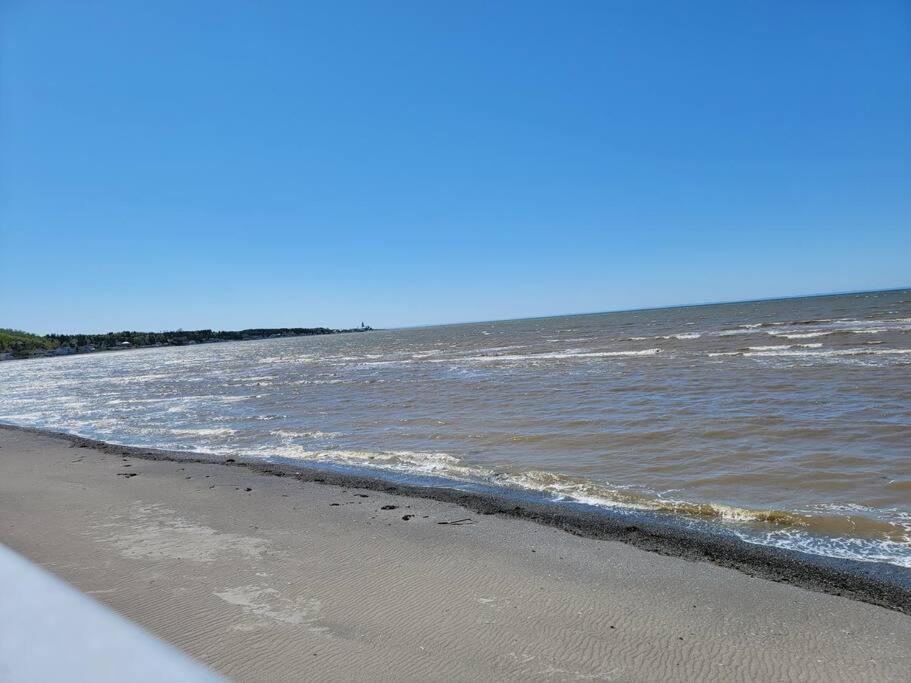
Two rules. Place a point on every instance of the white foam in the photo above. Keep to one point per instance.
(809, 351)
(494, 349)
(224, 431)
(682, 335)
(830, 352)
(800, 335)
(411, 462)
(303, 434)
(554, 355)
(731, 333)
(565, 355)
(861, 549)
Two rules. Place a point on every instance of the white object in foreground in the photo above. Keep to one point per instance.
(51, 632)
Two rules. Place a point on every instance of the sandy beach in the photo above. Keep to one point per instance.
(272, 578)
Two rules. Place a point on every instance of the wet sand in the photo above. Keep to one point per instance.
(266, 578)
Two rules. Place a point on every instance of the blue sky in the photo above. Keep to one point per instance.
(239, 164)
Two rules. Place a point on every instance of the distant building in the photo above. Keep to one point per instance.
(64, 350)
(88, 348)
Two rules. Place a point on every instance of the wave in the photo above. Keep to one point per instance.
(682, 335)
(808, 351)
(555, 355)
(408, 462)
(305, 434)
(801, 335)
(220, 431)
(847, 531)
(844, 547)
(731, 333)
(853, 532)
(780, 347)
(829, 352)
(796, 329)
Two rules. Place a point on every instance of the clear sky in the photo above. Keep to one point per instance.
(238, 164)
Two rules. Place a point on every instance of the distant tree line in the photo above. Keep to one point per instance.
(22, 344)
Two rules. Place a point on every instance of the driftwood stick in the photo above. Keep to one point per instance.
(467, 520)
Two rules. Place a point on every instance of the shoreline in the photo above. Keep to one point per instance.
(75, 352)
(265, 577)
(876, 583)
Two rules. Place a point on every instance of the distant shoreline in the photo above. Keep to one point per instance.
(16, 345)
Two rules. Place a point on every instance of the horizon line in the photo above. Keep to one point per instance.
(817, 295)
(530, 317)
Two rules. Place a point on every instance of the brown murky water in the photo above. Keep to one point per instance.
(788, 422)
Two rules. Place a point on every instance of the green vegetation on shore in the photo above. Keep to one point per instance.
(23, 345)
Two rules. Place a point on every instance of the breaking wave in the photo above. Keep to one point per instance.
(862, 534)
